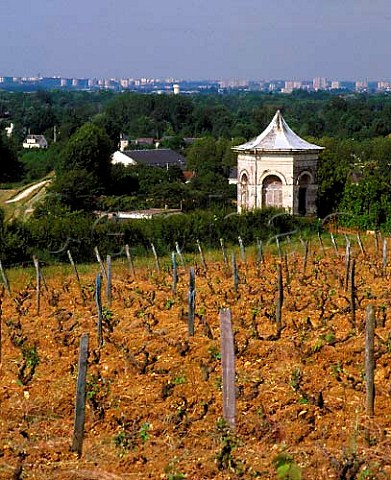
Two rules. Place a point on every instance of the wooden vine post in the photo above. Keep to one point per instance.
(353, 294)
(235, 272)
(360, 244)
(76, 273)
(334, 243)
(260, 251)
(228, 367)
(100, 261)
(1, 316)
(178, 251)
(5, 279)
(130, 260)
(156, 257)
(38, 281)
(305, 259)
(278, 247)
(280, 300)
(224, 251)
(321, 243)
(191, 301)
(98, 300)
(242, 250)
(109, 280)
(201, 255)
(347, 263)
(384, 256)
(370, 361)
(174, 273)
(78, 429)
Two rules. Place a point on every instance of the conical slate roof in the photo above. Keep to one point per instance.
(277, 137)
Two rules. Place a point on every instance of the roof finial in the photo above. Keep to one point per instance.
(278, 120)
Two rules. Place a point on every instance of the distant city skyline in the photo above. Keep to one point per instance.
(197, 39)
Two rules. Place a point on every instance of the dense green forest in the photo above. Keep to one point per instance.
(83, 130)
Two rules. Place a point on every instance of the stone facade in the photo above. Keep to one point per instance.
(278, 169)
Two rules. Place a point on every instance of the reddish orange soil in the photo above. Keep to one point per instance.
(154, 402)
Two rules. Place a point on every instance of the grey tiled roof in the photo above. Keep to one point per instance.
(161, 157)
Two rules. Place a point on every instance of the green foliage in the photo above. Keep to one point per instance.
(38, 162)
(286, 468)
(144, 432)
(10, 168)
(88, 150)
(225, 458)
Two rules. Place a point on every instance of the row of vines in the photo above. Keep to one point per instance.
(155, 405)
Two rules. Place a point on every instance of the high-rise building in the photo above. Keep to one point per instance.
(319, 83)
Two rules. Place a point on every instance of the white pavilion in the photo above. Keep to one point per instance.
(278, 169)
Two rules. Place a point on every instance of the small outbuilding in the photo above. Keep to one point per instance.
(278, 169)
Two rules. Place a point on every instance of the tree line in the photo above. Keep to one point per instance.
(353, 177)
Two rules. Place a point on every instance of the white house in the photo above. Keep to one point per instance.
(35, 141)
(278, 169)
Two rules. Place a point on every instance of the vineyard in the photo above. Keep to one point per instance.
(154, 388)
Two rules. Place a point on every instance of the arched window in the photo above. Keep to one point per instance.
(244, 192)
(272, 191)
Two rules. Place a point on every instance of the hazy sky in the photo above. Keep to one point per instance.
(199, 39)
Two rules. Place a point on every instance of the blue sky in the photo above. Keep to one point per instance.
(202, 39)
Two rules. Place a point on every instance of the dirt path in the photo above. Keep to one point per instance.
(25, 193)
